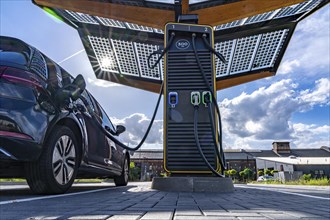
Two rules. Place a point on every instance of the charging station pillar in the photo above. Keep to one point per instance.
(185, 87)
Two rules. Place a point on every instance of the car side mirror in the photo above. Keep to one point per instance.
(120, 129)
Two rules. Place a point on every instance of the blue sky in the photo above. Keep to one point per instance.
(291, 106)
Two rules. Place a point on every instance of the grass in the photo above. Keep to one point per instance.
(16, 180)
(312, 182)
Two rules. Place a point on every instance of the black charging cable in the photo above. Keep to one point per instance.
(115, 140)
(160, 53)
(219, 155)
(199, 145)
(219, 55)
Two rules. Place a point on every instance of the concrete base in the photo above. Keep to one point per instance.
(193, 184)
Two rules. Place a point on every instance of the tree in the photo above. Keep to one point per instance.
(274, 171)
(232, 173)
(134, 172)
(227, 173)
(248, 173)
(260, 173)
(306, 177)
(267, 172)
(242, 174)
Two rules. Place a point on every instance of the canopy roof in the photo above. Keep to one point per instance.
(118, 36)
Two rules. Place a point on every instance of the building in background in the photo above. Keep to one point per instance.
(150, 163)
(281, 157)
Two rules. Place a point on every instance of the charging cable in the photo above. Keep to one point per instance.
(219, 155)
(161, 53)
(115, 140)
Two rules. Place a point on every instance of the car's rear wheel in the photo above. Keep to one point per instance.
(122, 180)
(57, 166)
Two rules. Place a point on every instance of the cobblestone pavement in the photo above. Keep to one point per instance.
(138, 201)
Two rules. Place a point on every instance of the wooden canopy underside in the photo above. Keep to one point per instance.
(157, 18)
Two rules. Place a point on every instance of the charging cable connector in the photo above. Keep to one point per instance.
(195, 98)
(173, 99)
(206, 98)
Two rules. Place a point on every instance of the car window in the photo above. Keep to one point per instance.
(10, 45)
(106, 120)
(7, 57)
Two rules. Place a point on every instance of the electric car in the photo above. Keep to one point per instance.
(52, 130)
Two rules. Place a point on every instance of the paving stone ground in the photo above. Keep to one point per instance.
(141, 202)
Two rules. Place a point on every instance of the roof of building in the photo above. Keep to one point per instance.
(238, 155)
(148, 154)
(242, 154)
(298, 160)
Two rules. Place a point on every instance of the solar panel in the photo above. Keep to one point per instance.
(245, 51)
(227, 49)
(104, 54)
(143, 51)
(251, 45)
(111, 22)
(139, 27)
(81, 17)
(124, 53)
(260, 17)
(276, 14)
(268, 49)
(230, 24)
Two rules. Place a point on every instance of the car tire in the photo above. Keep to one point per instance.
(122, 180)
(56, 169)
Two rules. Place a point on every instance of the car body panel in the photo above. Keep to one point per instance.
(29, 112)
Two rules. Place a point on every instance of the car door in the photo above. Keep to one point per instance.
(96, 140)
(112, 154)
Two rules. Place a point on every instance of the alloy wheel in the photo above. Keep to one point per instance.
(64, 158)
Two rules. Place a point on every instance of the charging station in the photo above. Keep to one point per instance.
(122, 38)
(185, 89)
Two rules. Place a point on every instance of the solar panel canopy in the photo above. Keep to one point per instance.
(119, 36)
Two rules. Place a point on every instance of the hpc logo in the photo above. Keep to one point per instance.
(182, 44)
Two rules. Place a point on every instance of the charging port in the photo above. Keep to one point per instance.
(173, 99)
(206, 98)
(195, 98)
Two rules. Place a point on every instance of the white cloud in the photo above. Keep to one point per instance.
(310, 136)
(102, 83)
(288, 66)
(308, 50)
(252, 120)
(320, 95)
(136, 126)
